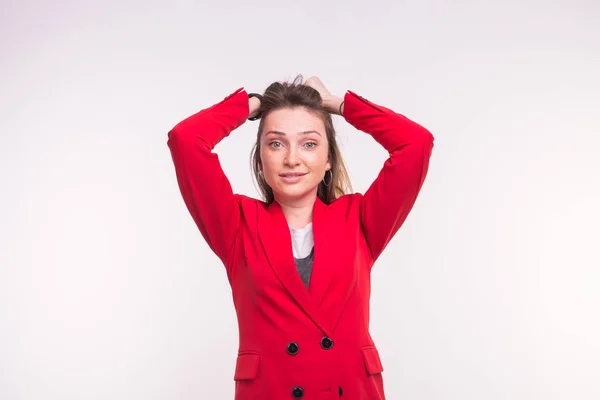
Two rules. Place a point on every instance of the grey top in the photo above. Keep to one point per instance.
(304, 267)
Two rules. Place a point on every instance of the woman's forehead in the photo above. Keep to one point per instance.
(297, 121)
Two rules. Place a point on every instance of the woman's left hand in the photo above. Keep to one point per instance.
(330, 102)
(315, 83)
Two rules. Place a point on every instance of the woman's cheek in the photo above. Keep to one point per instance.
(317, 159)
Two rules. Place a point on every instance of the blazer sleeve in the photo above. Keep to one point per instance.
(388, 201)
(206, 190)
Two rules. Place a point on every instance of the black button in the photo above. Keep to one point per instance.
(340, 391)
(297, 392)
(326, 343)
(292, 348)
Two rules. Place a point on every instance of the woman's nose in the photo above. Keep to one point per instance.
(291, 157)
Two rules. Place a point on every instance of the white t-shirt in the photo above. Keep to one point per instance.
(302, 241)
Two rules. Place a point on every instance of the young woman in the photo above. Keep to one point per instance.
(299, 261)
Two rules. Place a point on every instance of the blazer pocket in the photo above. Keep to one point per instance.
(372, 360)
(246, 366)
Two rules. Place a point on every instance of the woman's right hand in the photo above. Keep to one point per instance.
(254, 106)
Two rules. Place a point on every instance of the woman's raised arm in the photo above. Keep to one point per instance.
(206, 190)
(389, 199)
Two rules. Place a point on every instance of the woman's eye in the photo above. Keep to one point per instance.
(275, 144)
(310, 145)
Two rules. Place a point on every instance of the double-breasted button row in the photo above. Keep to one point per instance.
(293, 348)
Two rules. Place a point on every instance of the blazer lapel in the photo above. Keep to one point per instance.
(334, 274)
(276, 240)
(323, 265)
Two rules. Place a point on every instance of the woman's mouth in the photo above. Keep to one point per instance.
(292, 177)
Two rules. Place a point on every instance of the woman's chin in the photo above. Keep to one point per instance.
(294, 192)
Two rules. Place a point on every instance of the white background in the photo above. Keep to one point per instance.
(489, 291)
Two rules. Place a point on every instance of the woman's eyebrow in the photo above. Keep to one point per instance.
(284, 134)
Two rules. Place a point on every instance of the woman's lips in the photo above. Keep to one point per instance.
(292, 177)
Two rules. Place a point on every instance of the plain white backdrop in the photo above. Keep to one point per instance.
(489, 291)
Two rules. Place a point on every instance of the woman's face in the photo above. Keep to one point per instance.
(294, 153)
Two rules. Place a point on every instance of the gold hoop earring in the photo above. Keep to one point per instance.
(330, 178)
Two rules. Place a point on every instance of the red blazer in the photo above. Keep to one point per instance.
(294, 342)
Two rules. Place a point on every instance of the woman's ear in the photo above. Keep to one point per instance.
(327, 166)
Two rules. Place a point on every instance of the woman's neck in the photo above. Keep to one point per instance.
(298, 214)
